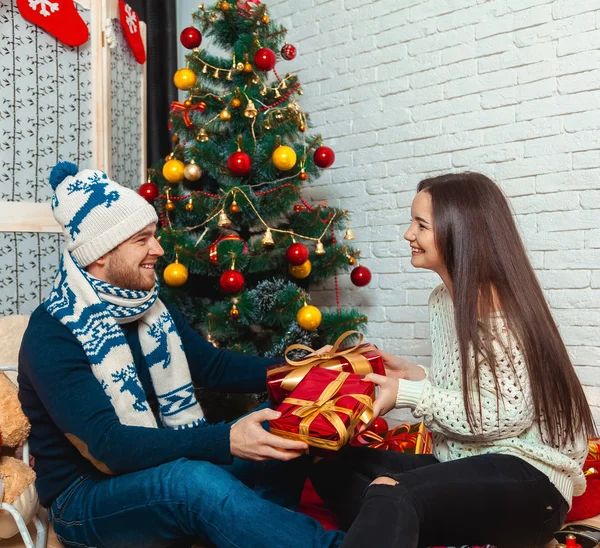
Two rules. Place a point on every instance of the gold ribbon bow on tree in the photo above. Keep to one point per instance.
(326, 406)
(336, 357)
(186, 108)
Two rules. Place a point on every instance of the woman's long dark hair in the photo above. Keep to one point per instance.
(481, 248)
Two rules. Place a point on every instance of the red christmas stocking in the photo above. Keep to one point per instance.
(131, 28)
(58, 17)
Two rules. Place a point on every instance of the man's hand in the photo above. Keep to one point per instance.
(401, 369)
(250, 441)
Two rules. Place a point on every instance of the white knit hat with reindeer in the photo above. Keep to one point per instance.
(96, 214)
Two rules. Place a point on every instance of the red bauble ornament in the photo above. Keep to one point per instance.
(360, 276)
(239, 164)
(265, 59)
(379, 425)
(190, 38)
(297, 254)
(232, 281)
(288, 52)
(324, 157)
(149, 191)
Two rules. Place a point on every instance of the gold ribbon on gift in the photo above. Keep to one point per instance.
(400, 437)
(299, 368)
(326, 406)
(592, 461)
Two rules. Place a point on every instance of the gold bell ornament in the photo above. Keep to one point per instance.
(223, 219)
(267, 238)
(349, 234)
(320, 249)
(250, 111)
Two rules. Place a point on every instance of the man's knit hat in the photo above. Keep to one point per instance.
(96, 214)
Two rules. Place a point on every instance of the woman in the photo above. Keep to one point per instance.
(508, 414)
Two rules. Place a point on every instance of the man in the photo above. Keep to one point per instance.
(124, 456)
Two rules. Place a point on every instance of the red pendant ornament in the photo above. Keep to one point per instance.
(324, 157)
(130, 23)
(360, 276)
(265, 59)
(190, 38)
(149, 191)
(297, 254)
(288, 52)
(239, 164)
(60, 18)
(232, 281)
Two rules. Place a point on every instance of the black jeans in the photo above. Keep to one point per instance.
(487, 499)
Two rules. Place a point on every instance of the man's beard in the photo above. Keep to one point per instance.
(126, 277)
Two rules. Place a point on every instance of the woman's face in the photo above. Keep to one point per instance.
(421, 237)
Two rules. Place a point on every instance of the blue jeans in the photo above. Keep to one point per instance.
(245, 504)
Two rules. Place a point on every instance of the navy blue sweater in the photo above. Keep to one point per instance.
(60, 395)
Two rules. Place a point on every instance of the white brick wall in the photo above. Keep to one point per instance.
(405, 89)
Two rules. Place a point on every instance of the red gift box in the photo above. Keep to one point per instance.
(360, 359)
(325, 409)
(405, 438)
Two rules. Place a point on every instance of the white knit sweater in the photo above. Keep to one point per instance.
(511, 430)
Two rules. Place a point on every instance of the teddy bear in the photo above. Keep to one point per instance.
(17, 478)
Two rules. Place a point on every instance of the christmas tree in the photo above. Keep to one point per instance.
(242, 247)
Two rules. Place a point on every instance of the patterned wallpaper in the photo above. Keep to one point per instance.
(125, 95)
(45, 116)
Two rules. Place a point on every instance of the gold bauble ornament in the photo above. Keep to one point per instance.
(188, 103)
(303, 175)
(265, 19)
(225, 6)
(247, 67)
(192, 171)
(235, 102)
(175, 139)
(173, 171)
(170, 205)
(351, 261)
(176, 274)
(184, 79)
(300, 271)
(284, 158)
(225, 115)
(240, 66)
(234, 208)
(309, 317)
(302, 128)
(189, 206)
(234, 312)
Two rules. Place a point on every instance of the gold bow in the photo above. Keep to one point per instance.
(329, 360)
(326, 406)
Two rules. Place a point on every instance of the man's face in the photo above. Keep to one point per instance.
(131, 264)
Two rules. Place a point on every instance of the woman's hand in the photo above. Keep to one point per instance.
(401, 369)
(388, 390)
